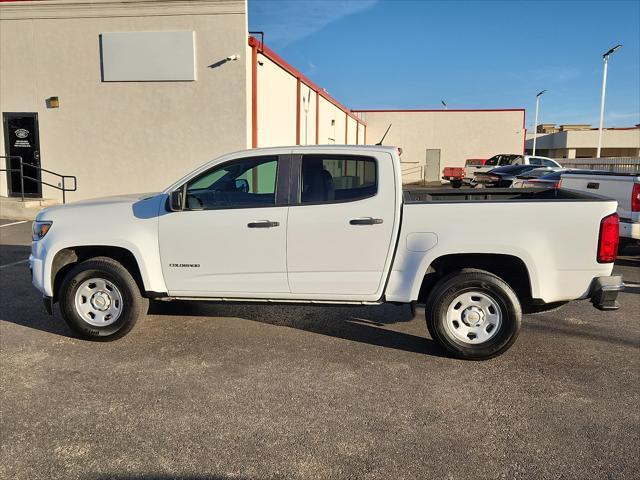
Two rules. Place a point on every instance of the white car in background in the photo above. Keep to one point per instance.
(507, 159)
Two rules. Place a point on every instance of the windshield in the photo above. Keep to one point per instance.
(504, 160)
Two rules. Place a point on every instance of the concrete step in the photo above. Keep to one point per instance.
(15, 209)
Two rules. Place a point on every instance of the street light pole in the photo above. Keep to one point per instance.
(535, 125)
(605, 58)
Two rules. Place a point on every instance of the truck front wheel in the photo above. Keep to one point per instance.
(473, 315)
(100, 300)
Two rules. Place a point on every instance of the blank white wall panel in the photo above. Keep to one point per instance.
(148, 56)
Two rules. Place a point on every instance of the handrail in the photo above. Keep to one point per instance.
(20, 170)
(413, 170)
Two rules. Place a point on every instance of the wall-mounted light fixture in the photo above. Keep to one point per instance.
(53, 102)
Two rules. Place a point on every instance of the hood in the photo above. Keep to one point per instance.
(117, 201)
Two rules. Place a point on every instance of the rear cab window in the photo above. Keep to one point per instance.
(337, 178)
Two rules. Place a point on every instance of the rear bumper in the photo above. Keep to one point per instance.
(629, 229)
(604, 292)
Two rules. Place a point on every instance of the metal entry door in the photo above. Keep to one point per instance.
(22, 140)
(432, 165)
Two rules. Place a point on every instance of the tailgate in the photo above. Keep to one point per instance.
(453, 172)
(470, 172)
(616, 187)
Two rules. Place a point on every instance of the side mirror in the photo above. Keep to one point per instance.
(175, 201)
(242, 185)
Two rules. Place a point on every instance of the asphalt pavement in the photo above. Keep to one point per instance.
(199, 391)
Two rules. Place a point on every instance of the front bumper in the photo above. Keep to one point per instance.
(604, 292)
(36, 266)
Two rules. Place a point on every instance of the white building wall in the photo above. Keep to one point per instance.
(277, 93)
(361, 134)
(308, 118)
(122, 137)
(458, 135)
(327, 122)
(352, 127)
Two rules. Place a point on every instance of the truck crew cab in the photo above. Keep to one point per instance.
(328, 224)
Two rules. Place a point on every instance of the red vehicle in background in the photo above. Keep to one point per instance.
(455, 175)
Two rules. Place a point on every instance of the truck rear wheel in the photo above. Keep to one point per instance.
(473, 315)
(100, 300)
(456, 183)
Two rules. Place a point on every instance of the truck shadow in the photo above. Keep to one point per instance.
(151, 476)
(22, 305)
(364, 324)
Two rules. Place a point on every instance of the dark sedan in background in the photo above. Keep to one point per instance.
(503, 177)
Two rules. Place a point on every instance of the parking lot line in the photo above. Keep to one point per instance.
(14, 263)
(13, 223)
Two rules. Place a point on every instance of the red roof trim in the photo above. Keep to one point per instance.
(446, 111)
(282, 63)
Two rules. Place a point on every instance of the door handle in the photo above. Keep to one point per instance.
(365, 221)
(263, 224)
(593, 185)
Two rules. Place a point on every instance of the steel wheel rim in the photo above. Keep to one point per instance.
(473, 317)
(98, 302)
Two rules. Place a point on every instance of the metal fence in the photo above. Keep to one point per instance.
(610, 164)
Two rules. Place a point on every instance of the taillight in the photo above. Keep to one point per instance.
(635, 198)
(608, 240)
(559, 184)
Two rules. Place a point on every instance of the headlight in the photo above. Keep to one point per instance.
(40, 229)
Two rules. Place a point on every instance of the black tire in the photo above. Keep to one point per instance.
(134, 305)
(487, 284)
(456, 183)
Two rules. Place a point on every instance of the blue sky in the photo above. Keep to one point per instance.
(475, 54)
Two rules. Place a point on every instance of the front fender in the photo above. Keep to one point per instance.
(148, 263)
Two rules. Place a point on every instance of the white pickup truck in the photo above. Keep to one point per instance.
(328, 224)
(622, 187)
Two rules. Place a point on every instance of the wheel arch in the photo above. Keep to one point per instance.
(512, 269)
(66, 258)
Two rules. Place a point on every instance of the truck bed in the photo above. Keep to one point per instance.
(474, 195)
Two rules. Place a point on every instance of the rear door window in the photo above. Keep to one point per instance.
(339, 178)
